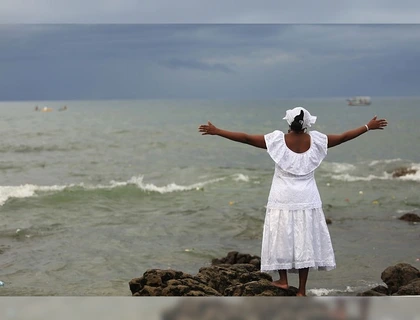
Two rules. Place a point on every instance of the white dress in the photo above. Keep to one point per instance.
(295, 232)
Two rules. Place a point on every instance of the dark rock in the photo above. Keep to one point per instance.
(188, 287)
(371, 293)
(229, 276)
(220, 277)
(259, 288)
(377, 291)
(399, 172)
(381, 289)
(216, 280)
(410, 217)
(398, 276)
(328, 221)
(234, 257)
(411, 289)
(156, 282)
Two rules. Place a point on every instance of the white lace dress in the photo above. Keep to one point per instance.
(295, 233)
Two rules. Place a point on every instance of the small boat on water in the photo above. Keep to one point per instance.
(359, 101)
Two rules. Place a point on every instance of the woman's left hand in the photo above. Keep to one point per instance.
(376, 123)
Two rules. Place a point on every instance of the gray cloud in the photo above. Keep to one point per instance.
(207, 61)
(189, 64)
(217, 11)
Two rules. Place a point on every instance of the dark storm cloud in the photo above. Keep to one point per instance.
(207, 61)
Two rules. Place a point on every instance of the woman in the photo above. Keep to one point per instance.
(295, 235)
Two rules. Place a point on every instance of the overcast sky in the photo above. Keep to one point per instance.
(215, 11)
(247, 60)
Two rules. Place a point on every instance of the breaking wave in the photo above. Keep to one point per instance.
(31, 190)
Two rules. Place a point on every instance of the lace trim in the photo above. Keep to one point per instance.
(326, 266)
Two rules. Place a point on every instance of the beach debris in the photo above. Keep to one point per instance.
(360, 192)
(403, 171)
(231, 203)
(17, 231)
(188, 250)
(1, 283)
(375, 202)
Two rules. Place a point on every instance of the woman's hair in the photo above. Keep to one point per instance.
(297, 123)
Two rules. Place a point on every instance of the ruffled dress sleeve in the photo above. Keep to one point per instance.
(292, 162)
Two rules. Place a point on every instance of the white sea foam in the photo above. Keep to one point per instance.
(349, 178)
(24, 191)
(240, 177)
(30, 190)
(337, 167)
(326, 292)
(387, 161)
(172, 187)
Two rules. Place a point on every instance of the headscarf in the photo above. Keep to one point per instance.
(308, 119)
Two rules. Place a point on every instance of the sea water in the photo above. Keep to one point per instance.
(93, 196)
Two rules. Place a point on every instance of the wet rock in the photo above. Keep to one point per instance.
(236, 279)
(223, 276)
(377, 291)
(411, 289)
(259, 288)
(399, 172)
(371, 293)
(245, 279)
(398, 276)
(156, 282)
(234, 257)
(410, 217)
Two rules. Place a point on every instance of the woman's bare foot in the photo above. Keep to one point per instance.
(277, 283)
(300, 294)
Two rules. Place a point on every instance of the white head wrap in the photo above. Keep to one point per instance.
(307, 118)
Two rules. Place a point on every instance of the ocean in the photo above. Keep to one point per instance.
(95, 195)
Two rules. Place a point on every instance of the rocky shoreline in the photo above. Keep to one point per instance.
(238, 275)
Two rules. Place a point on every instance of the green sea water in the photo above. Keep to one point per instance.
(93, 196)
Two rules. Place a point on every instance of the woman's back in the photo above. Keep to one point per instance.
(297, 142)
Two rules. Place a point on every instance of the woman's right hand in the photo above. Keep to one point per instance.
(208, 128)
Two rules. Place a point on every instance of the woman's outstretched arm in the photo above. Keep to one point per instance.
(374, 124)
(253, 140)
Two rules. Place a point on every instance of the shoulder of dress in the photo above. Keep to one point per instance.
(273, 136)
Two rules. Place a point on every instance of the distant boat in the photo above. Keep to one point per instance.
(359, 101)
